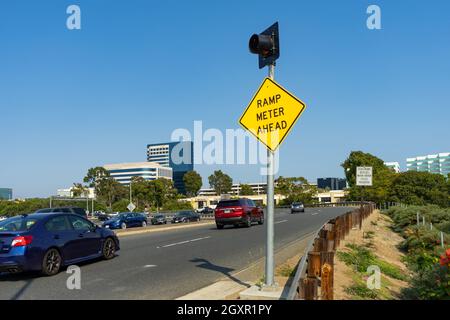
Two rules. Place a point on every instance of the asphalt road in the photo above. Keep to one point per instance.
(169, 264)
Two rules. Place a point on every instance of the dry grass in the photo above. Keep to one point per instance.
(377, 236)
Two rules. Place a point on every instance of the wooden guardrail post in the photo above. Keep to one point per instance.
(327, 275)
(314, 264)
(309, 288)
(319, 269)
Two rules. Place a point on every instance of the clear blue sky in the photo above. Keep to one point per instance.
(137, 70)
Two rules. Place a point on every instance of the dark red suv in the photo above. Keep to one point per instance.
(236, 212)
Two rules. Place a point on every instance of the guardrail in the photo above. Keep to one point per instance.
(314, 277)
(326, 204)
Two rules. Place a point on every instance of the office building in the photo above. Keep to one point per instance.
(177, 155)
(6, 194)
(124, 172)
(332, 183)
(433, 163)
(68, 193)
(395, 166)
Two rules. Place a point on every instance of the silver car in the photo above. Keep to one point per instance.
(297, 207)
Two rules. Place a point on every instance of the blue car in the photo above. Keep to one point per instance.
(47, 241)
(126, 220)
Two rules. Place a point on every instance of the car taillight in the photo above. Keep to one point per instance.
(21, 241)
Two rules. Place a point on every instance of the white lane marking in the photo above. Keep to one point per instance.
(182, 242)
(313, 214)
(281, 221)
(150, 266)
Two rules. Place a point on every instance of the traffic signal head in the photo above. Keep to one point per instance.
(266, 45)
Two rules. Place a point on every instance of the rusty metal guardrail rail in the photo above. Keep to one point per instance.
(314, 277)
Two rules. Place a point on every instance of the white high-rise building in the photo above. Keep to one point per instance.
(393, 165)
(124, 172)
(433, 163)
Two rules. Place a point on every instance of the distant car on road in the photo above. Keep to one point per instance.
(185, 216)
(297, 207)
(75, 210)
(101, 216)
(159, 219)
(47, 241)
(126, 220)
(206, 210)
(237, 212)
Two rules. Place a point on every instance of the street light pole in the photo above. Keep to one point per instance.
(270, 207)
(130, 193)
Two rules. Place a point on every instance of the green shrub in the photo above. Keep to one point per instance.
(360, 258)
(361, 290)
(407, 216)
(432, 284)
(444, 226)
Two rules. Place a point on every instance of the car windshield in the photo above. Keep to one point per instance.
(183, 213)
(159, 216)
(228, 203)
(23, 223)
(122, 215)
(297, 204)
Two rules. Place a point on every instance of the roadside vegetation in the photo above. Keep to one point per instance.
(358, 258)
(111, 196)
(425, 256)
(410, 187)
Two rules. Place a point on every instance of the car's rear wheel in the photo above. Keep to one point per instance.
(219, 226)
(144, 224)
(51, 262)
(248, 222)
(261, 220)
(123, 225)
(109, 249)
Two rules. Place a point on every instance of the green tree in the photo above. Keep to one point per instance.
(420, 188)
(107, 189)
(381, 180)
(141, 195)
(110, 191)
(220, 182)
(120, 206)
(162, 191)
(296, 189)
(94, 175)
(193, 183)
(79, 190)
(246, 190)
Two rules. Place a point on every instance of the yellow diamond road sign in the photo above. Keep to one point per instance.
(271, 114)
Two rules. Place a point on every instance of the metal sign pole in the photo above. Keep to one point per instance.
(270, 208)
